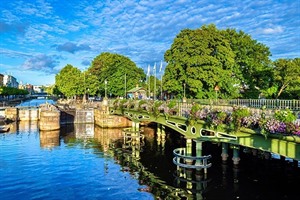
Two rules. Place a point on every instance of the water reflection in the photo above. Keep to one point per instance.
(27, 126)
(83, 131)
(147, 157)
(49, 139)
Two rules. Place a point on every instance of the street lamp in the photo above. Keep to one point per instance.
(105, 100)
(184, 98)
(105, 82)
(217, 88)
(183, 90)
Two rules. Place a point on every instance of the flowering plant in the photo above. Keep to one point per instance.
(285, 115)
(239, 115)
(215, 118)
(156, 107)
(173, 107)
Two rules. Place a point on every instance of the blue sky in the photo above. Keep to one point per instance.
(38, 38)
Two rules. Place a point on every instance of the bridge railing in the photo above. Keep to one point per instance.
(292, 104)
(190, 162)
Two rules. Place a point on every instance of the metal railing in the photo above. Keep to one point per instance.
(292, 104)
(191, 162)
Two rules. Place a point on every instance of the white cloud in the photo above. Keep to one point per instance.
(72, 47)
(273, 30)
(41, 62)
(139, 29)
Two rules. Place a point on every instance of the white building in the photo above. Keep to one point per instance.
(38, 88)
(10, 81)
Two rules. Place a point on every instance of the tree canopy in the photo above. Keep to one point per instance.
(119, 72)
(207, 58)
(12, 91)
(69, 81)
(201, 63)
(252, 63)
(287, 77)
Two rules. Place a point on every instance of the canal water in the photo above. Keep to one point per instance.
(35, 102)
(88, 162)
(84, 161)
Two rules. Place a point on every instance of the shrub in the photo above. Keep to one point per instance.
(286, 116)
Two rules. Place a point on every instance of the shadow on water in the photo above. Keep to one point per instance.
(149, 160)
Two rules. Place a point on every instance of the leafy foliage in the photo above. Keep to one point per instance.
(238, 115)
(201, 59)
(252, 63)
(287, 77)
(119, 71)
(12, 91)
(69, 81)
(286, 116)
(208, 57)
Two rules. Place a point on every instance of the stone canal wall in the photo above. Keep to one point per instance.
(51, 117)
(84, 116)
(12, 114)
(29, 114)
(104, 119)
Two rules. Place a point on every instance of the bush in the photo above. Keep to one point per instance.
(285, 116)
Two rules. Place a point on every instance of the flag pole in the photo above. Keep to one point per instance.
(148, 76)
(160, 80)
(125, 87)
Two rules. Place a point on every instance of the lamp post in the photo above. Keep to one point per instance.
(105, 101)
(84, 96)
(125, 95)
(105, 82)
(184, 98)
(184, 90)
(217, 88)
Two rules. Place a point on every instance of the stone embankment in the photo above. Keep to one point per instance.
(51, 117)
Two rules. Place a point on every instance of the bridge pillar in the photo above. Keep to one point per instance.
(236, 155)
(199, 154)
(161, 137)
(189, 178)
(200, 186)
(135, 147)
(267, 155)
(224, 153)
(135, 126)
(254, 152)
(189, 149)
(158, 132)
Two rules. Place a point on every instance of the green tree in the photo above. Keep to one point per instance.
(201, 59)
(252, 63)
(69, 81)
(53, 90)
(204, 58)
(91, 84)
(119, 72)
(287, 76)
(4, 91)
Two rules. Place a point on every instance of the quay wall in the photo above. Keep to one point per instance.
(51, 117)
(105, 120)
(28, 114)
